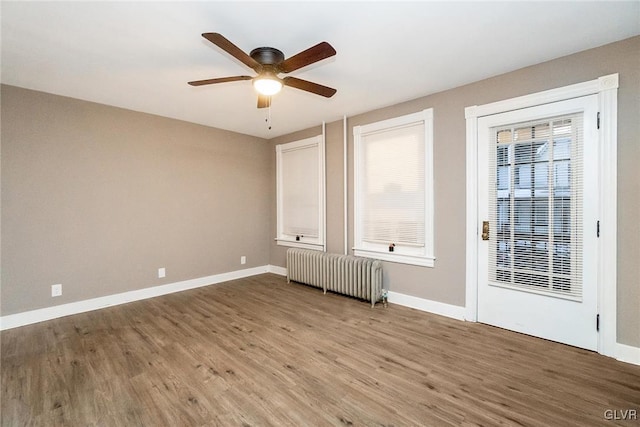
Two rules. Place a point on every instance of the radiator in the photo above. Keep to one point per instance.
(344, 274)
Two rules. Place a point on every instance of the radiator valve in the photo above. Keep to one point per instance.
(384, 298)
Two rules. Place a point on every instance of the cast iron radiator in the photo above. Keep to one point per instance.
(344, 274)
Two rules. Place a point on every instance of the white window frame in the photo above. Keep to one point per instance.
(315, 243)
(422, 256)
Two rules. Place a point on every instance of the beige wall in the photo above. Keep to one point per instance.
(446, 281)
(98, 198)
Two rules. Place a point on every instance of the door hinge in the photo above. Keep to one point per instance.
(598, 322)
(598, 228)
(598, 120)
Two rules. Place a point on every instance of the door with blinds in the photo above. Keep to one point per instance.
(538, 192)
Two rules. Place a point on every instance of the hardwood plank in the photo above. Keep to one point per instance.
(259, 351)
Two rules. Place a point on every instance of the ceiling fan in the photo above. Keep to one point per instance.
(268, 62)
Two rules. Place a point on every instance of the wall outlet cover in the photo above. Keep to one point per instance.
(56, 290)
(162, 272)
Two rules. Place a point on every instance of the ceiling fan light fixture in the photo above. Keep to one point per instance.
(268, 63)
(267, 84)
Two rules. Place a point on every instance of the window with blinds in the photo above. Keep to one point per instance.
(393, 191)
(535, 206)
(300, 193)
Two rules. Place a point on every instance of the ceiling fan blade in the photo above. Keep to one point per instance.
(316, 88)
(264, 101)
(307, 57)
(219, 80)
(233, 50)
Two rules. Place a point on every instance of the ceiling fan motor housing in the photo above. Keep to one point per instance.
(267, 56)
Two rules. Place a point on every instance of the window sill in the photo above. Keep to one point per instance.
(302, 245)
(396, 257)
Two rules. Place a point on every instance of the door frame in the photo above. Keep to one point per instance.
(606, 87)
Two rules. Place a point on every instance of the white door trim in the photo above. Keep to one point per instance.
(606, 88)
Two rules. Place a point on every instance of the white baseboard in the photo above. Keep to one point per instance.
(627, 353)
(435, 307)
(48, 313)
(282, 271)
(624, 353)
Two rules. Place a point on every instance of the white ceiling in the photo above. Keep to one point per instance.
(140, 55)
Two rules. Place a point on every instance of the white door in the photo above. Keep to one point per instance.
(538, 192)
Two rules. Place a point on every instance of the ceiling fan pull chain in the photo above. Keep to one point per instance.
(269, 116)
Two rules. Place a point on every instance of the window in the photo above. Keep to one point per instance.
(542, 251)
(300, 193)
(394, 189)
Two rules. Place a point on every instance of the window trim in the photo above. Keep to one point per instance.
(423, 256)
(282, 239)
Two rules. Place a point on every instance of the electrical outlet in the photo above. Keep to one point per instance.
(162, 272)
(56, 290)
(243, 259)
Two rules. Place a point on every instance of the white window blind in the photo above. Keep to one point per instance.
(535, 206)
(300, 193)
(393, 189)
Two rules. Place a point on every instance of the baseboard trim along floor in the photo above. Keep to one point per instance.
(624, 353)
(40, 315)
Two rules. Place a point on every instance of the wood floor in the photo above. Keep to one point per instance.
(260, 352)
